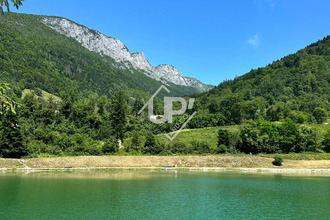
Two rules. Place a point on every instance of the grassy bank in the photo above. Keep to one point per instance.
(225, 161)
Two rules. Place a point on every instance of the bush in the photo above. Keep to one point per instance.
(110, 146)
(320, 115)
(200, 147)
(326, 142)
(179, 148)
(222, 149)
(278, 160)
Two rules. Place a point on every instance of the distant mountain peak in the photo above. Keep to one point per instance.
(114, 48)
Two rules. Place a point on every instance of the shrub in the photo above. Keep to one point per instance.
(278, 160)
(222, 149)
(320, 115)
(200, 147)
(110, 146)
(179, 147)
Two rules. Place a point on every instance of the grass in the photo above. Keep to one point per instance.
(10, 163)
(207, 135)
(45, 95)
(322, 128)
(300, 156)
(225, 161)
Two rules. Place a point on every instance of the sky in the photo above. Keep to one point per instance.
(210, 40)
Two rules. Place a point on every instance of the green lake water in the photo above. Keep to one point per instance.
(163, 195)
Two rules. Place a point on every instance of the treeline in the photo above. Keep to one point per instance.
(253, 137)
(267, 137)
(72, 126)
(295, 87)
(34, 125)
(91, 115)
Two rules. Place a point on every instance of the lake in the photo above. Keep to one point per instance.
(125, 194)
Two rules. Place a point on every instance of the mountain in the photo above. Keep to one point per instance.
(108, 46)
(296, 86)
(55, 54)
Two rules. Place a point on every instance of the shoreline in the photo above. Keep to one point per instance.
(216, 163)
(295, 171)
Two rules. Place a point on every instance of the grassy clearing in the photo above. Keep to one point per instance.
(322, 128)
(45, 95)
(207, 135)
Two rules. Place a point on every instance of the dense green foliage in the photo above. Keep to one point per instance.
(295, 87)
(32, 56)
(10, 135)
(278, 160)
(65, 100)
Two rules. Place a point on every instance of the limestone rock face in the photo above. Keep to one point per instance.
(114, 48)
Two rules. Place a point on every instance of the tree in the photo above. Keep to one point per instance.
(17, 4)
(69, 98)
(320, 115)
(11, 140)
(6, 104)
(10, 134)
(136, 141)
(326, 142)
(118, 114)
(110, 146)
(223, 137)
(289, 132)
(138, 104)
(249, 138)
(101, 105)
(150, 145)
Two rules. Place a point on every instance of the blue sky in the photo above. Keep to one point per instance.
(207, 39)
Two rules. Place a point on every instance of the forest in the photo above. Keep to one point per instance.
(58, 99)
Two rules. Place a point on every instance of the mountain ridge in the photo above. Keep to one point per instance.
(34, 56)
(114, 48)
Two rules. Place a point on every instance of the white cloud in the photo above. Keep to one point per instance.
(254, 41)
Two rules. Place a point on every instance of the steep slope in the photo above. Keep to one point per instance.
(108, 46)
(299, 82)
(34, 55)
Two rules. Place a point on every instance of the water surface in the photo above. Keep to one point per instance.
(163, 195)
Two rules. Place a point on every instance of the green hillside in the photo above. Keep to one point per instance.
(59, 99)
(296, 86)
(32, 56)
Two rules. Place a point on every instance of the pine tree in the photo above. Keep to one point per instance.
(11, 141)
(150, 144)
(10, 135)
(118, 114)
